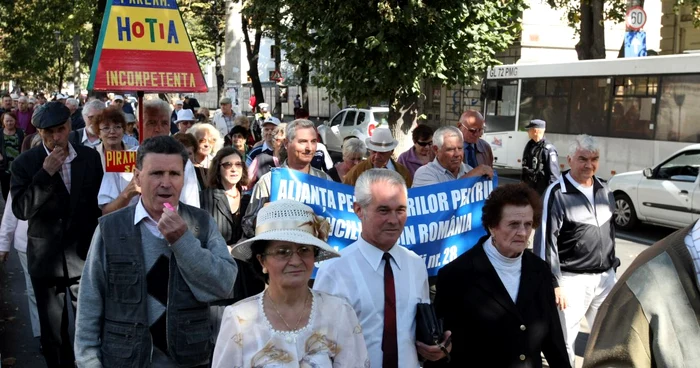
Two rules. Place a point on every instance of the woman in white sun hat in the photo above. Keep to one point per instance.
(288, 324)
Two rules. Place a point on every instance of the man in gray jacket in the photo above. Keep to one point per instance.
(150, 272)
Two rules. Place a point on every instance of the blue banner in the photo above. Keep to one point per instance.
(444, 220)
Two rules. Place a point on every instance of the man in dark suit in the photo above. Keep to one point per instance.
(54, 187)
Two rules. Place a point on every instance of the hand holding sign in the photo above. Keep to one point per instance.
(131, 190)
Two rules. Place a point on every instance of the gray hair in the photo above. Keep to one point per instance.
(298, 124)
(583, 142)
(240, 119)
(198, 130)
(282, 128)
(94, 106)
(468, 113)
(363, 186)
(354, 145)
(159, 105)
(161, 144)
(73, 102)
(446, 132)
(22, 99)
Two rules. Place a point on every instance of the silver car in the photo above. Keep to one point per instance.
(352, 122)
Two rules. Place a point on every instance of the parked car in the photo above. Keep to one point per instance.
(352, 122)
(668, 194)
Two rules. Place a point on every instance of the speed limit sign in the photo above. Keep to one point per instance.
(636, 18)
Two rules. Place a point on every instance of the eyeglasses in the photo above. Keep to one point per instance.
(113, 128)
(284, 254)
(472, 130)
(228, 165)
(423, 144)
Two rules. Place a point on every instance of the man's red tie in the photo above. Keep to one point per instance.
(389, 343)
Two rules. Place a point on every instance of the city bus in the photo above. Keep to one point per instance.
(640, 109)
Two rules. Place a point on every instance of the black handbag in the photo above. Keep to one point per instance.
(429, 329)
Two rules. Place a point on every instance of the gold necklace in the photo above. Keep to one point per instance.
(296, 327)
(233, 196)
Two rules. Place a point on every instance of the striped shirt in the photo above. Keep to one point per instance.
(692, 241)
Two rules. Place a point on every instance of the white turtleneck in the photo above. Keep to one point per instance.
(508, 269)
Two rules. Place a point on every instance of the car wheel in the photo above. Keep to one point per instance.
(625, 216)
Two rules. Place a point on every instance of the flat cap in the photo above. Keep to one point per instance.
(50, 114)
(225, 100)
(537, 123)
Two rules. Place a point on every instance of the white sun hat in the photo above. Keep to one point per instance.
(185, 115)
(289, 221)
(381, 141)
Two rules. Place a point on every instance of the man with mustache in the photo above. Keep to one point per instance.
(577, 239)
(381, 279)
(448, 163)
(300, 142)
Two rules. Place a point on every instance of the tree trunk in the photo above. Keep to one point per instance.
(304, 84)
(219, 71)
(592, 42)
(278, 66)
(218, 13)
(403, 116)
(253, 53)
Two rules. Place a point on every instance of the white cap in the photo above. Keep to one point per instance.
(118, 97)
(179, 102)
(264, 106)
(14, 96)
(61, 96)
(185, 115)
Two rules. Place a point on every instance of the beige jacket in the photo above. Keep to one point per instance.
(650, 319)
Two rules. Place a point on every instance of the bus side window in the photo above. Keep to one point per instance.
(589, 107)
(679, 109)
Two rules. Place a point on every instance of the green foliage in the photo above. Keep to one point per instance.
(205, 21)
(369, 52)
(29, 52)
(614, 10)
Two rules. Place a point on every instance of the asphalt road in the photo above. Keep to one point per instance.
(19, 349)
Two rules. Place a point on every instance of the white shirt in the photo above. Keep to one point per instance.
(66, 166)
(692, 241)
(358, 276)
(140, 214)
(508, 269)
(331, 338)
(12, 230)
(114, 183)
(86, 141)
(587, 191)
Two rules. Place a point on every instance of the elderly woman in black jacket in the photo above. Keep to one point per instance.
(497, 298)
(224, 200)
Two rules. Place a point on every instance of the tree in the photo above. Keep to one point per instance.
(31, 55)
(587, 17)
(374, 52)
(252, 49)
(205, 21)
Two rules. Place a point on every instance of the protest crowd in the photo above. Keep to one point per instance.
(194, 259)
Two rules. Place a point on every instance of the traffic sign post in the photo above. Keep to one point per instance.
(636, 18)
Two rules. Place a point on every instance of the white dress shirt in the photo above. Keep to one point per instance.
(358, 276)
(12, 230)
(692, 241)
(114, 183)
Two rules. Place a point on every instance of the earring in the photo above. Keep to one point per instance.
(265, 270)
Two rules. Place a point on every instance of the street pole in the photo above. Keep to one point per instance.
(76, 64)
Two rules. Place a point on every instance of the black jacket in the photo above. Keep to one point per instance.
(488, 329)
(214, 202)
(540, 165)
(61, 224)
(573, 237)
